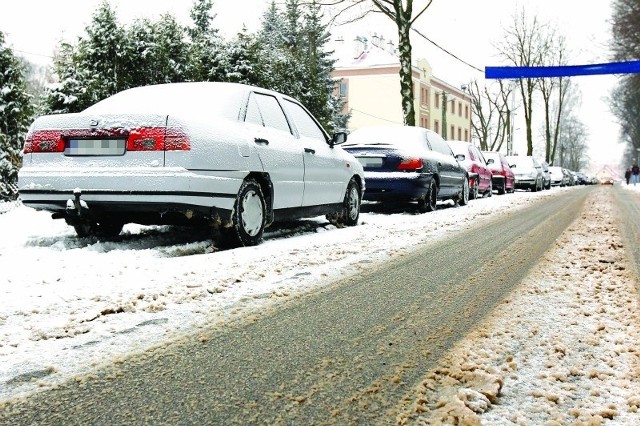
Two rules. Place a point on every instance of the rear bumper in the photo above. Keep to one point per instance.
(396, 185)
(130, 192)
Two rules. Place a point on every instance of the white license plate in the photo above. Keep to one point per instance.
(95, 147)
(370, 161)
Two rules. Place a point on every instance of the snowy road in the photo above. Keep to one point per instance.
(408, 355)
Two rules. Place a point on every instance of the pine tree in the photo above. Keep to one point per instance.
(173, 50)
(63, 96)
(241, 57)
(101, 57)
(206, 52)
(16, 112)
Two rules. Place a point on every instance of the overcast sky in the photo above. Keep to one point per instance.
(469, 29)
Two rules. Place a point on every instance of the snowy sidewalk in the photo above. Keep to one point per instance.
(563, 349)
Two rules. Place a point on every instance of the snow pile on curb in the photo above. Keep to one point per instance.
(553, 353)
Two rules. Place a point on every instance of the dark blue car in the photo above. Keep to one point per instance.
(404, 163)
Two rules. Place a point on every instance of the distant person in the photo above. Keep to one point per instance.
(635, 171)
(627, 174)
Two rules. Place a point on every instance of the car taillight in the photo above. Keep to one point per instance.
(411, 164)
(157, 139)
(44, 141)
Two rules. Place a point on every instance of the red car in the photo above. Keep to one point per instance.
(503, 177)
(480, 175)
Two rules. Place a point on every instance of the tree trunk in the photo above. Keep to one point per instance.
(406, 78)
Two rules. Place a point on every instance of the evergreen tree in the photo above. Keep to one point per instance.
(172, 55)
(16, 113)
(63, 96)
(102, 57)
(206, 54)
(241, 57)
(319, 65)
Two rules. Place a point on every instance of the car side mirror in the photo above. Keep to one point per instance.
(460, 157)
(490, 161)
(338, 138)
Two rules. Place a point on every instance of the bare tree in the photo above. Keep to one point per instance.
(403, 14)
(524, 44)
(553, 90)
(491, 114)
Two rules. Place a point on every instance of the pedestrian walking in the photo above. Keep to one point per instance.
(627, 174)
(635, 171)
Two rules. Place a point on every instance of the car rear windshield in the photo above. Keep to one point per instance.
(191, 99)
(396, 137)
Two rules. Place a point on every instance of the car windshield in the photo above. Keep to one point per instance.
(214, 100)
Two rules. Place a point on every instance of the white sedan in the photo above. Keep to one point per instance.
(231, 156)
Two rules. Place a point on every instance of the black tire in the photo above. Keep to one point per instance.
(473, 195)
(489, 193)
(249, 215)
(503, 188)
(429, 202)
(534, 188)
(463, 197)
(350, 211)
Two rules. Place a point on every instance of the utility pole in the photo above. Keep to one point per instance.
(444, 115)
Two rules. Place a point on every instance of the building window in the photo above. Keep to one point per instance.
(436, 126)
(453, 131)
(437, 101)
(343, 89)
(466, 111)
(460, 109)
(453, 107)
(459, 133)
(466, 135)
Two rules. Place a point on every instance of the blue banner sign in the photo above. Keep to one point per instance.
(628, 67)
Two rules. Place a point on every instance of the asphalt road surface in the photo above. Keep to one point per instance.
(344, 355)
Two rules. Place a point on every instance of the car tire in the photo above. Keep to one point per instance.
(489, 193)
(463, 198)
(503, 188)
(473, 195)
(429, 202)
(249, 215)
(350, 212)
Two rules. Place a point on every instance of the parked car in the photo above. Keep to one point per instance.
(502, 177)
(571, 179)
(558, 178)
(546, 175)
(232, 156)
(581, 178)
(479, 173)
(527, 171)
(408, 163)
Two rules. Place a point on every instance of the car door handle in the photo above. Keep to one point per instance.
(261, 141)
(310, 151)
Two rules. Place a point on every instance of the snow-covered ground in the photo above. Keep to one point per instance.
(70, 304)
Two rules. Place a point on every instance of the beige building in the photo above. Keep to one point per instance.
(368, 72)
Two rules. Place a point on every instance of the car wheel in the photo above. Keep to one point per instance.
(429, 202)
(350, 212)
(503, 189)
(473, 195)
(490, 191)
(463, 198)
(249, 215)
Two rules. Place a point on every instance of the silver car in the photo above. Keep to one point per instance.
(528, 172)
(229, 156)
